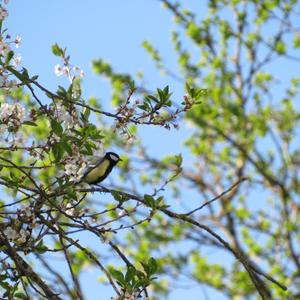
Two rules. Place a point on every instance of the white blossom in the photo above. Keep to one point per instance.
(3, 80)
(70, 211)
(122, 213)
(82, 170)
(23, 236)
(58, 70)
(18, 41)
(10, 233)
(54, 138)
(71, 169)
(64, 116)
(130, 296)
(76, 68)
(3, 13)
(14, 113)
(75, 170)
(81, 74)
(17, 60)
(6, 83)
(20, 111)
(4, 47)
(11, 83)
(27, 212)
(66, 71)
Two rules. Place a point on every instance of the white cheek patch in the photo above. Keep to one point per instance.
(113, 157)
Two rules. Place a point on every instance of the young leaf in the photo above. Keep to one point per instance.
(9, 56)
(178, 160)
(56, 50)
(64, 143)
(56, 127)
(58, 151)
(29, 123)
(118, 276)
(150, 201)
(131, 271)
(152, 266)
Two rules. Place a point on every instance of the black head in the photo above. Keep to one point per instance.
(113, 157)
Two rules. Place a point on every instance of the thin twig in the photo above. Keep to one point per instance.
(218, 197)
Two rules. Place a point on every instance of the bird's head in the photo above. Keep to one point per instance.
(113, 157)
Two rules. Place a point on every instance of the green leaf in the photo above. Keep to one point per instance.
(152, 98)
(102, 67)
(280, 47)
(64, 143)
(131, 85)
(9, 56)
(29, 123)
(20, 295)
(188, 89)
(5, 285)
(242, 213)
(152, 264)
(150, 201)
(194, 32)
(145, 106)
(89, 149)
(61, 91)
(56, 127)
(296, 41)
(117, 196)
(151, 51)
(195, 93)
(131, 271)
(166, 90)
(35, 77)
(58, 151)
(25, 74)
(41, 248)
(56, 50)
(85, 114)
(118, 276)
(178, 160)
(75, 89)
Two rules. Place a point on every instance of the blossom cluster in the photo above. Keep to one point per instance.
(14, 232)
(3, 12)
(12, 116)
(6, 51)
(13, 235)
(75, 168)
(64, 116)
(67, 71)
(71, 72)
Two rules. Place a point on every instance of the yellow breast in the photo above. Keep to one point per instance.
(97, 172)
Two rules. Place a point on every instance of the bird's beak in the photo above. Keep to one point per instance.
(120, 159)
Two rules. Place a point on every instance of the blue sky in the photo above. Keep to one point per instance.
(111, 30)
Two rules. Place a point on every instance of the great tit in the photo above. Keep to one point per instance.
(100, 170)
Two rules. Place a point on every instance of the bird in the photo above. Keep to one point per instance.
(97, 172)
